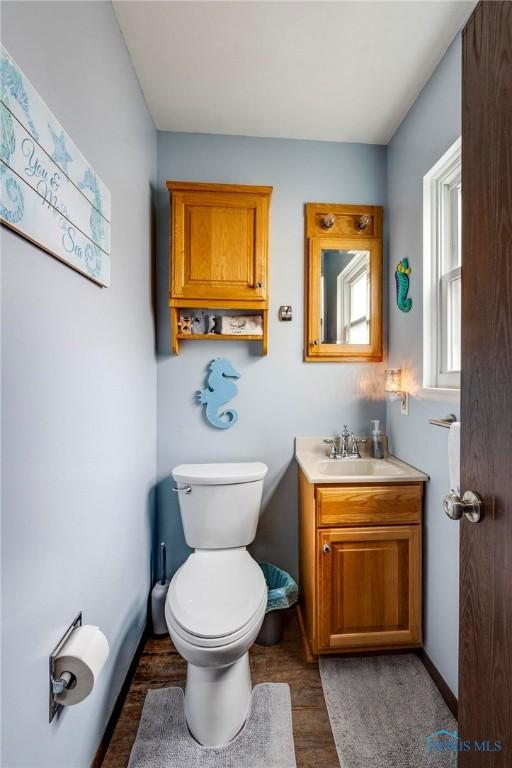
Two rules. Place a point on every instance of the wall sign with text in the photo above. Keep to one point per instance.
(48, 191)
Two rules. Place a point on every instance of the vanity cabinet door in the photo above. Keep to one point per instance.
(369, 587)
(219, 242)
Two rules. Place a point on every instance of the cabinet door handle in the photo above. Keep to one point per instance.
(259, 284)
(326, 548)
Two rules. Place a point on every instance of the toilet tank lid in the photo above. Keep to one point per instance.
(220, 474)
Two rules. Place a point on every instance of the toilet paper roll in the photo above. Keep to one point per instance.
(83, 654)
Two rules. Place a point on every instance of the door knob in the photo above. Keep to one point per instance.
(470, 505)
(326, 548)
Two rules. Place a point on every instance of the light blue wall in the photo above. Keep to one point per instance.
(79, 396)
(279, 395)
(431, 126)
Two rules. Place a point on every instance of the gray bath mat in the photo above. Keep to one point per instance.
(265, 741)
(383, 709)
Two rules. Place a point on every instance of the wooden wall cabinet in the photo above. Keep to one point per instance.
(218, 251)
(360, 566)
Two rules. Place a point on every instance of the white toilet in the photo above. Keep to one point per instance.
(217, 599)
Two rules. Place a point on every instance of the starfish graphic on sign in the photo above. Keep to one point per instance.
(60, 154)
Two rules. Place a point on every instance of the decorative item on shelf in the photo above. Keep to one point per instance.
(185, 323)
(239, 325)
(199, 321)
(393, 386)
(209, 323)
(402, 272)
(219, 391)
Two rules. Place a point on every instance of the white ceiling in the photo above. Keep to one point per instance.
(337, 71)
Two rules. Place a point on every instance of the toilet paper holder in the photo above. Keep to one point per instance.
(58, 684)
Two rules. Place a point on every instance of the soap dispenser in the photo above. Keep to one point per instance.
(377, 444)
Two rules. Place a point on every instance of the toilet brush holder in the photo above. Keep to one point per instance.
(158, 598)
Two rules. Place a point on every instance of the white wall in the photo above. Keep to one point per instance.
(79, 396)
(280, 396)
(429, 129)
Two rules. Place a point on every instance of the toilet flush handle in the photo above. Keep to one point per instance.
(185, 489)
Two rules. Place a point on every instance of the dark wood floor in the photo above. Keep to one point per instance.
(160, 666)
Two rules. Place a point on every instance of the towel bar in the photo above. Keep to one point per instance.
(446, 422)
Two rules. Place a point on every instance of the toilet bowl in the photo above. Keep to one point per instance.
(217, 599)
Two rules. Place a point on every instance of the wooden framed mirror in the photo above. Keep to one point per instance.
(343, 277)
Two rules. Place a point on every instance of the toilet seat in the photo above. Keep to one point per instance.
(216, 597)
(217, 642)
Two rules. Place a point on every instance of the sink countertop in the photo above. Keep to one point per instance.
(312, 455)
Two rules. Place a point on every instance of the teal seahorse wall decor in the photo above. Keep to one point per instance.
(219, 390)
(402, 272)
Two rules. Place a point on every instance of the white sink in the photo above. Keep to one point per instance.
(311, 454)
(360, 468)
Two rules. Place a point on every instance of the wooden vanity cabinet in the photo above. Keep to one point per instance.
(360, 566)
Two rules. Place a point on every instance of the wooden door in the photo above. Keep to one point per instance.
(369, 587)
(219, 242)
(485, 661)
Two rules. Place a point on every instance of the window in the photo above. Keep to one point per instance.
(354, 300)
(442, 279)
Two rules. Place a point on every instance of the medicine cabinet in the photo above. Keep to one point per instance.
(343, 292)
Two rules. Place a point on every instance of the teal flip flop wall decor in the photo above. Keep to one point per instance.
(402, 272)
(219, 390)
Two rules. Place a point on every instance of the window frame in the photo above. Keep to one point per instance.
(438, 247)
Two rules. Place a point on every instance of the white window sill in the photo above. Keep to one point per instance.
(439, 394)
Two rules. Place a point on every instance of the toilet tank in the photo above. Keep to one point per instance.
(222, 507)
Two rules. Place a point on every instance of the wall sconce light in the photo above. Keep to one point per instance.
(393, 385)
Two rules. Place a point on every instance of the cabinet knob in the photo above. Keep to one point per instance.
(326, 548)
(259, 284)
(316, 342)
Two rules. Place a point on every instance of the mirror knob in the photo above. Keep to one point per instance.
(328, 221)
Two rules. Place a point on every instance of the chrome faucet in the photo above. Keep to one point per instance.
(340, 445)
(344, 438)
